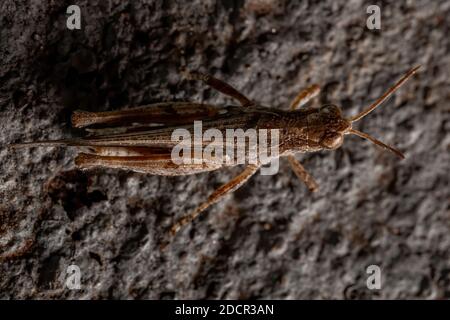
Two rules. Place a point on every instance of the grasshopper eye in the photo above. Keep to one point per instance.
(330, 109)
(332, 140)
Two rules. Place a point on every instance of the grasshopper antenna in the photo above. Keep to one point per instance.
(385, 96)
(373, 106)
(377, 142)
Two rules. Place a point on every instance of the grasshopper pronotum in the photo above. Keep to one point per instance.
(139, 139)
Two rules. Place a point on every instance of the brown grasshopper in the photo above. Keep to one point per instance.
(139, 139)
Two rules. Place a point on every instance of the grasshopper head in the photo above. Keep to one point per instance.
(327, 127)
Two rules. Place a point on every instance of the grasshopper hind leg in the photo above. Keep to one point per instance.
(167, 113)
(217, 195)
(144, 160)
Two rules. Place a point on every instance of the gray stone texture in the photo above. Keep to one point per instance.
(271, 238)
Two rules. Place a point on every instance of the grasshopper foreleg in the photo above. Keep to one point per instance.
(305, 96)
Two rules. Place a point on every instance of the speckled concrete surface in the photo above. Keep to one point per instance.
(271, 238)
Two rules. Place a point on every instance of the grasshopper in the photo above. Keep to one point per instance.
(139, 139)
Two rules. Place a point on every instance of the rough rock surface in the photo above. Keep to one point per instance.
(271, 238)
